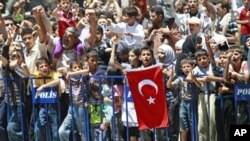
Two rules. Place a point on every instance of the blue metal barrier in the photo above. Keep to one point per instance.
(45, 103)
(242, 93)
(51, 95)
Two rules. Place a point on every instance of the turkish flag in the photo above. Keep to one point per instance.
(148, 92)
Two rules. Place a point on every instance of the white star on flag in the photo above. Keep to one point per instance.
(151, 100)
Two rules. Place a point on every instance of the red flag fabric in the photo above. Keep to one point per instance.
(148, 91)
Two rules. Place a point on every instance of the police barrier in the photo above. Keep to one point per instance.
(241, 93)
(46, 111)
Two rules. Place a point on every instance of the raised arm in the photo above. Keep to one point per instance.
(42, 33)
(2, 25)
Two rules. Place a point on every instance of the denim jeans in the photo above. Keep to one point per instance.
(97, 134)
(66, 127)
(16, 125)
(46, 125)
(3, 120)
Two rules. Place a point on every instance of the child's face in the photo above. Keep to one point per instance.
(65, 5)
(75, 67)
(99, 36)
(202, 61)
(213, 46)
(222, 60)
(178, 51)
(248, 42)
(186, 68)
(129, 20)
(133, 59)
(146, 57)
(92, 63)
(103, 22)
(95, 94)
(161, 55)
(236, 58)
(43, 68)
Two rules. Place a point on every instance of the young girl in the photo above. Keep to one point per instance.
(132, 126)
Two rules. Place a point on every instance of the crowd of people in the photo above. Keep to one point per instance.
(201, 45)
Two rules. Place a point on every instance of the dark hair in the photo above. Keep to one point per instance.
(92, 54)
(99, 28)
(130, 11)
(157, 10)
(8, 18)
(147, 48)
(225, 5)
(111, 71)
(74, 31)
(26, 31)
(200, 52)
(75, 63)
(186, 61)
(41, 60)
(30, 19)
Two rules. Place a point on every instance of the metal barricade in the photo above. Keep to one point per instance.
(46, 112)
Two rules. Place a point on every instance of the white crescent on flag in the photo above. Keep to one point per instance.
(147, 82)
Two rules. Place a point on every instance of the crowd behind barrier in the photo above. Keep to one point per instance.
(47, 121)
(45, 45)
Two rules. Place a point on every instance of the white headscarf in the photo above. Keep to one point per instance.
(169, 53)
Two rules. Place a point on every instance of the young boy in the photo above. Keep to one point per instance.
(132, 32)
(186, 92)
(50, 79)
(204, 69)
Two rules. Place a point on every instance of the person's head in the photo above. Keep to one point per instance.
(133, 57)
(223, 8)
(179, 6)
(193, 6)
(28, 38)
(156, 15)
(95, 90)
(201, 57)
(9, 22)
(186, 65)
(17, 55)
(246, 3)
(216, 40)
(111, 71)
(222, 59)
(43, 67)
(248, 41)
(237, 56)
(178, 47)
(65, 5)
(79, 15)
(147, 56)
(75, 66)
(102, 21)
(99, 33)
(92, 60)
(166, 54)
(14, 45)
(186, 8)
(129, 15)
(194, 25)
(70, 37)
(122, 52)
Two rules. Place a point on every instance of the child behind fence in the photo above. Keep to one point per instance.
(188, 94)
(46, 123)
(95, 107)
(76, 110)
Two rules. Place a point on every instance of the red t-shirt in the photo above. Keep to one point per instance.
(245, 28)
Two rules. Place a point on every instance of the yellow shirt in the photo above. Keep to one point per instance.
(50, 77)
